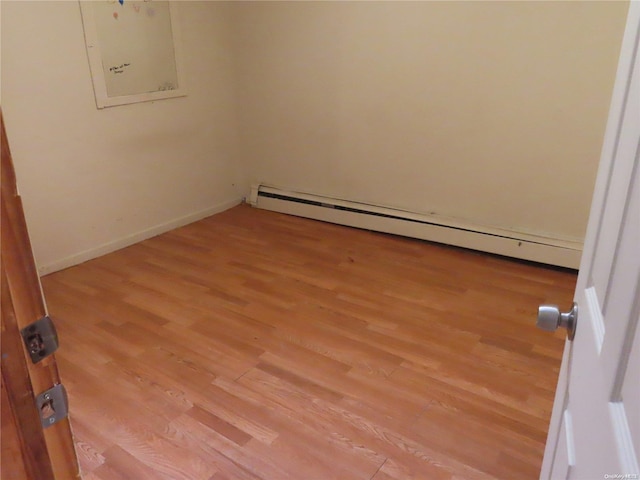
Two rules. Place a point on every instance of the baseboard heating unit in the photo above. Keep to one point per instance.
(426, 227)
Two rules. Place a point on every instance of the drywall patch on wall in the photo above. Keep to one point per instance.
(133, 57)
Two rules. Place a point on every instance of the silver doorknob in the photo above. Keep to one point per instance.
(550, 318)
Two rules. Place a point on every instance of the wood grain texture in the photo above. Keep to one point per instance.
(12, 463)
(21, 424)
(254, 345)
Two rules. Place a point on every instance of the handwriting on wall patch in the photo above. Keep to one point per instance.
(119, 68)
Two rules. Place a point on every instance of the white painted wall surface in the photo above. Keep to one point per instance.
(488, 112)
(95, 180)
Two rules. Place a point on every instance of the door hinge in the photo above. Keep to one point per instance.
(52, 405)
(40, 338)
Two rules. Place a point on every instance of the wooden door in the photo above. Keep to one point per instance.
(595, 425)
(29, 451)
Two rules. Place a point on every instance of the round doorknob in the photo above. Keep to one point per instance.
(550, 318)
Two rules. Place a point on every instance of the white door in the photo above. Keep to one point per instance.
(595, 425)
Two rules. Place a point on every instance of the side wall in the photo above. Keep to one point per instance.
(96, 180)
(487, 112)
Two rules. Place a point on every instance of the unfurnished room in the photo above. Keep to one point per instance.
(317, 240)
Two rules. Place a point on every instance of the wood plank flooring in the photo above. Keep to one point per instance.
(254, 345)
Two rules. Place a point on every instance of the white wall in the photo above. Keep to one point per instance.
(488, 112)
(94, 180)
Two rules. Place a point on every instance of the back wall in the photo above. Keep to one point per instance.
(488, 112)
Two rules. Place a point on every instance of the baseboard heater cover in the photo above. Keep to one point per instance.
(425, 227)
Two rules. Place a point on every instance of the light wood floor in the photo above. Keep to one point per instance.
(254, 345)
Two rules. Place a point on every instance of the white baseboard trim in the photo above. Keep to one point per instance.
(123, 242)
(537, 248)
